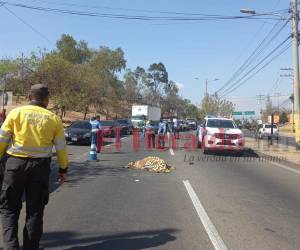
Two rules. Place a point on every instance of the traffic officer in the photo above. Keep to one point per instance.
(99, 135)
(176, 128)
(27, 136)
(162, 130)
(95, 128)
(150, 135)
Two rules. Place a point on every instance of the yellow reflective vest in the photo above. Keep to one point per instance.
(31, 132)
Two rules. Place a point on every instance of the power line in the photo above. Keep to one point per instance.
(275, 85)
(142, 17)
(236, 83)
(59, 3)
(258, 51)
(260, 69)
(27, 24)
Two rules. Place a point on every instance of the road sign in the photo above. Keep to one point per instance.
(243, 113)
(237, 113)
(249, 113)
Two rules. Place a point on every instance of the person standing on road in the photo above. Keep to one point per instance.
(95, 128)
(150, 135)
(99, 135)
(27, 136)
(176, 129)
(162, 130)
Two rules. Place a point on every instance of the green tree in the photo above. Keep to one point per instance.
(106, 64)
(157, 79)
(283, 118)
(73, 51)
(216, 105)
(7, 66)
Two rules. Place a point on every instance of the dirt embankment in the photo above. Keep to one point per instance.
(69, 117)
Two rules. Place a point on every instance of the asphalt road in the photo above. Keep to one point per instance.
(208, 202)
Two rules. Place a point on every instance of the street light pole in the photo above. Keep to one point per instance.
(294, 23)
(294, 11)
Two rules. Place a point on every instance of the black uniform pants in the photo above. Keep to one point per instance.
(29, 176)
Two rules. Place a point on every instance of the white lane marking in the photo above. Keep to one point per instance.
(172, 151)
(285, 167)
(208, 225)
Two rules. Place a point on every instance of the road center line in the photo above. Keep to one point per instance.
(285, 167)
(172, 151)
(211, 230)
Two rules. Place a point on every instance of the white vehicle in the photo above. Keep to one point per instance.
(140, 113)
(265, 131)
(220, 134)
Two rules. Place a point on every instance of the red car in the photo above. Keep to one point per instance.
(110, 128)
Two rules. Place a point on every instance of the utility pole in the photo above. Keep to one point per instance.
(206, 82)
(277, 95)
(260, 98)
(294, 11)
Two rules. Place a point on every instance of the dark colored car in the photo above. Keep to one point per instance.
(125, 126)
(192, 123)
(110, 128)
(79, 132)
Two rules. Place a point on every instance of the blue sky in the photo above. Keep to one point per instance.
(203, 49)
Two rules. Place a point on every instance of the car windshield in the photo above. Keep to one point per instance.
(215, 123)
(81, 125)
(270, 126)
(107, 123)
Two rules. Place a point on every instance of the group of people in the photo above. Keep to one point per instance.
(162, 130)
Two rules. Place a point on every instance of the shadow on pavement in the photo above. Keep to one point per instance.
(247, 153)
(122, 241)
(83, 172)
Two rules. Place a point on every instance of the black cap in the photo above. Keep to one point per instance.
(39, 92)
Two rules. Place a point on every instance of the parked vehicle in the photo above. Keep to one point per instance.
(220, 134)
(125, 126)
(110, 128)
(185, 125)
(79, 132)
(192, 123)
(264, 130)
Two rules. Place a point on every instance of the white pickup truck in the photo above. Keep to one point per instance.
(220, 134)
(265, 131)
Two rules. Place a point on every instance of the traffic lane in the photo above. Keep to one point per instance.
(106, 206)
(78, 155)
(252, 204)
